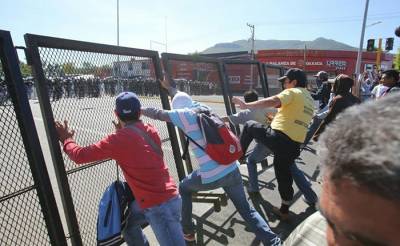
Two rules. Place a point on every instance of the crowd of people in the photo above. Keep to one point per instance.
(360, 198)
(82, 86)
(90, 86)
(374, 84)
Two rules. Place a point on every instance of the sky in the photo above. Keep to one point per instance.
(188, 26)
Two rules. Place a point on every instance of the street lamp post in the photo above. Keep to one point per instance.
(117, 22)
(373, 24)
(358, 63)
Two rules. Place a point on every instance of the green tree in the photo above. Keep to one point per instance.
(26, 70)
(68, 68)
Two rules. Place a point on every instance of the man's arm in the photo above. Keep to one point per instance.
(171, 90)
(156, 114)
(91, 153)
(239, 118)
(269, 102)
(78, 154)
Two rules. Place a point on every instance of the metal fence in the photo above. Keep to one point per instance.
(28, 210)
(78, 81)
(271, 75)
(203, 79)
(244, 75)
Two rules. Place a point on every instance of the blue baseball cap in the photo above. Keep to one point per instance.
(127, 104)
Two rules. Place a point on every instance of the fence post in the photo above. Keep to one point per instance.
(171, 130)
(61, 175)
(30, 139)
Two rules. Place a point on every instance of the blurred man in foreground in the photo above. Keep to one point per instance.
(360, 200)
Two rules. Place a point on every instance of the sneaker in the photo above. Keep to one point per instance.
(282, 216)
(189, 237)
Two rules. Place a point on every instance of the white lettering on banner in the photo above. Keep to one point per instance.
(286, 63)
(293, 63)
(338, 64)
(234, 79)
(314, 63)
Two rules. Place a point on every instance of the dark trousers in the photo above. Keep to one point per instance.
(285, 153)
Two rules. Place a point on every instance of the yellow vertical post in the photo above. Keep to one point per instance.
(378, 54)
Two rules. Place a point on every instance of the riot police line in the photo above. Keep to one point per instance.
(89, 86)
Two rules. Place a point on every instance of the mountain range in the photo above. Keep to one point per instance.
(245, 45)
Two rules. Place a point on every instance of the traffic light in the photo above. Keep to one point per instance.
(371, 45)
(389, 44)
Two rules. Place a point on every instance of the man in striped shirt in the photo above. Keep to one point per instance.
(210, 175)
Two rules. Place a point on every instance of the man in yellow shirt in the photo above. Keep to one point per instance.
(288, 129)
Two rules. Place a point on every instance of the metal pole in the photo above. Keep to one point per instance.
(118, 64)
(166, 39)
(252, 53)
(118, 22)
(358, 64)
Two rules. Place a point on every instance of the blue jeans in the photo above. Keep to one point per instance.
(233, 186)
(259, 153)
(164, 220)
(316, 122)
(133, 234)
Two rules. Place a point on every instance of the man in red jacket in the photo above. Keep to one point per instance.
(136, 147)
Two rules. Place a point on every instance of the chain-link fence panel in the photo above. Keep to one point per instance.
(245, 76)
(79, 82)
(202, 78)
(272, 73)
(28, 211)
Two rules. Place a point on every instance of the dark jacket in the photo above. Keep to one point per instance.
(340, 102)
(322, 94)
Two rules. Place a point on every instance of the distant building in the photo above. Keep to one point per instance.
(133, 68)
(332, 61)
(239, 76)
